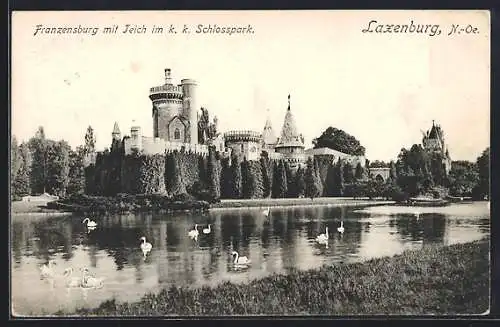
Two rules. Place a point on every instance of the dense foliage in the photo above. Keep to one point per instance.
(44, 165)
(339, 140)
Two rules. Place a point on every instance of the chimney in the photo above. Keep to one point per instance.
(168, 79)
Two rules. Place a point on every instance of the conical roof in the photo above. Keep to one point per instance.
(434, 133)
(116, 129)
(268, 135)
(289, 133)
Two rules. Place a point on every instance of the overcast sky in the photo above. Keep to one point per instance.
(381, 88)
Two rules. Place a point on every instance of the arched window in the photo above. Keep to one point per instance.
(177, 134)
(379, 178)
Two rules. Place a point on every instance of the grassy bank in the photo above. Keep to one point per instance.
(261, 203)
(124, 203)
(434, 280)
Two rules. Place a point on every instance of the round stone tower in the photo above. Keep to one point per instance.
(167, 104)
(190, 109)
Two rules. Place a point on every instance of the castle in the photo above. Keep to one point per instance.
(433, 141)
(175, 126)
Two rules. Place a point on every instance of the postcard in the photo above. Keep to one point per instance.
(249, 163)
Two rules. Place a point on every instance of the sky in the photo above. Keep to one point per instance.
(382, 88)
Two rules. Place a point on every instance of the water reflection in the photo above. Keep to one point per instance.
(283, 241)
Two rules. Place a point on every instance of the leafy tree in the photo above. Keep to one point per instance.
(378, 164)
(15, 158)
(58, 167)
(39, 146)
(463, 178)
(21, 184)
(236, 177)
(76, 173)
(483, 166)
(339, 140)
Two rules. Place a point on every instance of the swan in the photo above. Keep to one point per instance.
(90, 223)
(341, 228)
(322, 238)
(266, 212)
(207, 230)
(47, 271)
(240, 260)
(72, 281)
(89, 281)
(194, 232)
(145, 246)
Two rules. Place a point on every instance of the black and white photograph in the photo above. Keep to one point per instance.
(249, 163)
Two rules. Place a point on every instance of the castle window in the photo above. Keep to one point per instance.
(177, 134)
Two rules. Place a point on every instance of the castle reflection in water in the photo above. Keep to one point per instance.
(282, 243)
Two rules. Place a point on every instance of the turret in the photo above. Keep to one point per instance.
(190, 108)
(135, 136)
(116, 134)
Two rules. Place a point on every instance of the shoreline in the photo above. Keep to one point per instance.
(34, 209)
(231, 204)
(437, 280)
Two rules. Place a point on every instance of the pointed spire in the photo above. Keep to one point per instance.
(288, 101)
(116, 129)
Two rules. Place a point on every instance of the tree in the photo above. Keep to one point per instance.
(39, 146)
(266, 176)
(483, 166)
(300, 184)
(280, 183)
(339, 178)
(58, 167)
(463, 178)
(359, 174)
(76, 172)
(348, 173)
(311, 178)
(331, 180)
(175, 181)
(213, 173)
(236, 177)
(225, 181)
(378, 164)
(339, 140)
(90, 140)
(290, 182)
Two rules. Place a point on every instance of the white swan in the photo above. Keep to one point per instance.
(240, 260)
(207, 230)
(89, 281)
(323, 238)
(145, 246)
(341, 228)
(46, 271)
(194, 232)
(266, 212)
(90, 223)
(70, 280)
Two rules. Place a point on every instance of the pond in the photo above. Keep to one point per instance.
(275, 244)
